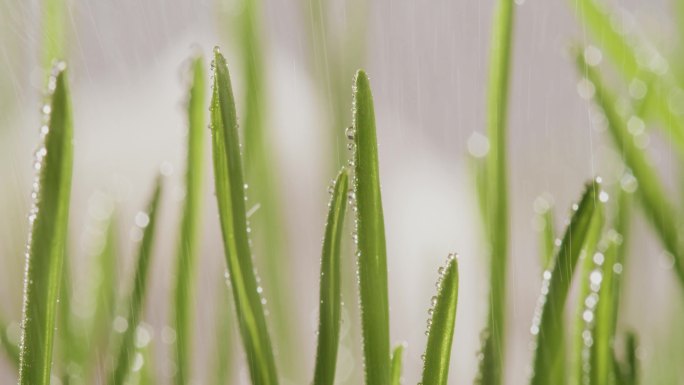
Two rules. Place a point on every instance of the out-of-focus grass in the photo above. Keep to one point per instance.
(596, 358)
(188, 246)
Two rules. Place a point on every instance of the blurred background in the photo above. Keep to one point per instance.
(428, 65)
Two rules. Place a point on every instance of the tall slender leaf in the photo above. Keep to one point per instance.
(103, 290)
(134, 303)
(651, 192)
(186, 261)
(270, 229)
(370, 230)
(397, 358)
(330, 292)
(491, 370)
(547, 325)
(47, 240)
(232, 214)
(441, 332)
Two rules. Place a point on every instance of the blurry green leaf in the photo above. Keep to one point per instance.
(654, 200)
(397, 358)
(147, 222)
(104, 291)
(330, 292)
(547, 325)
(370, 229)
(270, 230)
(441, 330)
(54, 21)
(230, 194)
(186, 261)
(492, 366)
(49, 222)
(639, 62)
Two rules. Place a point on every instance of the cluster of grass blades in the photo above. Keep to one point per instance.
(591, 253)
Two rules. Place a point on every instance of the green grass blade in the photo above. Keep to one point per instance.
(330, 291)
(270, 230)
(586, 260)
(547, 326)
(624, 51)
(223, 362)
(49, 221)
(103, 287)
(135, 302)
(441, 331)
(397, 358)
(186, 262)
(651, 192)
(497, 183)
(10, 350)
(370, 229)
(231, 201)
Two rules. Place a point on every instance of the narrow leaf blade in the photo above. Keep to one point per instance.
(47, 241)
(370, 227)
(497, 196)
(135, 302)
(441, 332)
(330, 291)
(230, 194)
(186, 261)
(397, 358)
(547, 324)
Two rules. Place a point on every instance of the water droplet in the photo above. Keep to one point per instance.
(350, 132)
(142, 219)
(596, 277)
(592, 56)
(478, 145)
